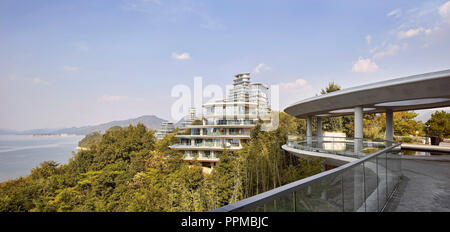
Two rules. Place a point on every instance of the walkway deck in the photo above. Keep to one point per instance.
(425, 187)
(441, 148)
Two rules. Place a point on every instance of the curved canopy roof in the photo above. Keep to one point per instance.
(424, 91)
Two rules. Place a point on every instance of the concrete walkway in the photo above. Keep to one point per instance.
(425, 187)
(421, 147)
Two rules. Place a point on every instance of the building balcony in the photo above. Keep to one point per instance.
(215, 135)
(211, 158)
(205, 146)
(343, 146)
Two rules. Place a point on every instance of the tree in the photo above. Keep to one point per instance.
(405, 125)
(128, 170)
(439, 124)
(332, 87)
(332, 123)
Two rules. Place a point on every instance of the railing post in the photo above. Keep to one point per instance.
(378, 185)
(308, 130)
(294, 201)
(364, 186)
(342, 192)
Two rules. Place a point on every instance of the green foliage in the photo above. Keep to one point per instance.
(91, 139)
(374, 124)
(197, 122)
(332, 87)
(439, 124)
(266, 165)
(128, 170)
(404, 123)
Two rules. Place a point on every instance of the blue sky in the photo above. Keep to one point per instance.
(74, 63)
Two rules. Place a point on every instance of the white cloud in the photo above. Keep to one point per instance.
(71, 68)
(364, 65)
(368, 39)
(410, 33)
(396, 13)
(181, 56)
(299, 83)
(144, 6)
(261, 67)
(110, 98)
(390, 50)
(38, 81)
(429, 31)
(209, 23)
(444, 11)
(82, 46)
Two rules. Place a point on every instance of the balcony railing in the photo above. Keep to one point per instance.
(338, 145)
(363, 185)
(206, 145)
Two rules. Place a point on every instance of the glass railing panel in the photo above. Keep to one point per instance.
(284, 204)
(354, 189)
(371, 185)
(322, 196)
(360, 186)
(356, 147)
(382, 178)
(332, 193)
(393, 169)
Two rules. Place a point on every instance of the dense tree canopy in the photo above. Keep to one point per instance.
(127, 169)
(439, 124)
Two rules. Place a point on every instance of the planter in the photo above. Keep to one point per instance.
(435, 140)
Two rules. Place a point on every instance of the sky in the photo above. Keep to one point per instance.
(76, 63)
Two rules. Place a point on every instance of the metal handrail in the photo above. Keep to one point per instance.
(281, 191)
(339, 137)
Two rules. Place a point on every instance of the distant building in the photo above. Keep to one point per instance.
(225, 124)
(166, 128)
(190, 117)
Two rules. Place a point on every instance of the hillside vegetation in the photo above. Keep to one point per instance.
(127, 169)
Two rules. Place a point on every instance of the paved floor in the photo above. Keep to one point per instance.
(425, 187)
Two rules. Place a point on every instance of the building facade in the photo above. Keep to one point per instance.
(166, 128)
(225, 124)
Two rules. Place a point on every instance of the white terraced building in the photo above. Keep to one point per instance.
(166, 128)
(225, 124)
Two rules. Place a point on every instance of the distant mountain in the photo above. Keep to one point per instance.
(150, 121)
(7, 132)
(179, 123)
(38, 131)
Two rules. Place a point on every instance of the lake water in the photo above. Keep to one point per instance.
(21, 153)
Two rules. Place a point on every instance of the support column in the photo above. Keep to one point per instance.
(389, 125)
(319, 131)
(319, 127)
(358, 173)
(308, 129)
(358, 129)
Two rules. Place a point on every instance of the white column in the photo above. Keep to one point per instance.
(358, 129)
(308, 129)
(319, 126)
(389, 125)
(319, 131)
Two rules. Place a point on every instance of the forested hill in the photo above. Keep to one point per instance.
(150, 121)
(127, 169)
